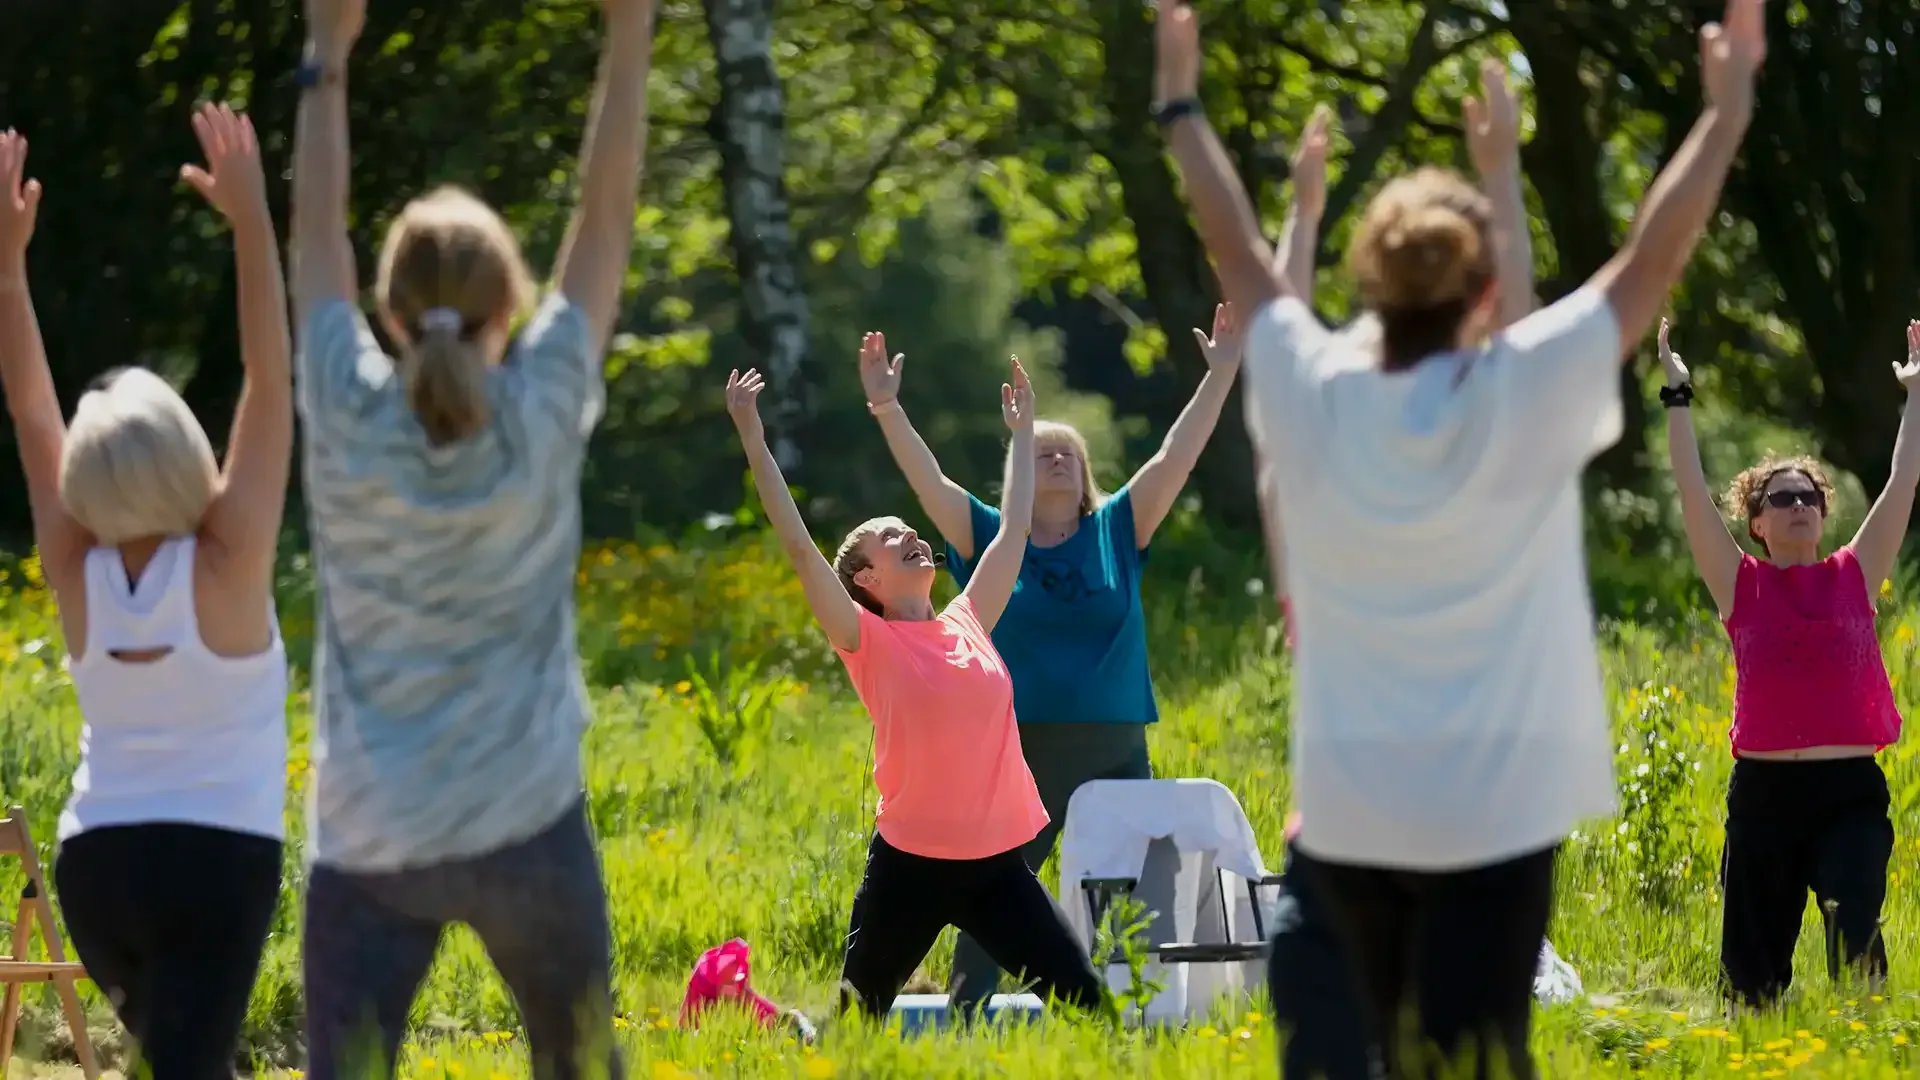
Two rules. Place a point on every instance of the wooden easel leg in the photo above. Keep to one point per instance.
(69, 993)
(10, 1004)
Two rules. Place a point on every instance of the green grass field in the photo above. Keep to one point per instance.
(744, 811)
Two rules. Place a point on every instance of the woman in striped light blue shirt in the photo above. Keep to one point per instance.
(443, 486)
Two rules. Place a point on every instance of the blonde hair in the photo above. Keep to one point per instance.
(1054, 431)
(449, 252)
(1750, 487)
(1422, 257)
(136, 463)
(851, 558)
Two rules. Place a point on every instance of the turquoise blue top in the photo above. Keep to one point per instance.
(1074, 635)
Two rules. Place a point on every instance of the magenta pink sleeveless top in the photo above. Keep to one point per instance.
(1806, 659)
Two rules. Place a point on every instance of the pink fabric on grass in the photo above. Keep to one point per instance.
(722, 974)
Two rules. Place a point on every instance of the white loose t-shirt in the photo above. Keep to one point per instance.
(1448, 710)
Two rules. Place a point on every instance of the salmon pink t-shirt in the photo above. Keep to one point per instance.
(1806, 659)
(946, 753)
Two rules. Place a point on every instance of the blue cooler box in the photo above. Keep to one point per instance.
(919, 1012)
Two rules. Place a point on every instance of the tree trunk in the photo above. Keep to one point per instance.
(749, 126)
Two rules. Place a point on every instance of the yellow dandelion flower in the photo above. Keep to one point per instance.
(820, 1068)
(1659, 1044)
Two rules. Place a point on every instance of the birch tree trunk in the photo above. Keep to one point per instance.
(748, 124)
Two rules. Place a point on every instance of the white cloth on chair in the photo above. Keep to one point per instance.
(1555, 982)
(1111, 827)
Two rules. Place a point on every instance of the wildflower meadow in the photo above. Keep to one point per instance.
(727, 769)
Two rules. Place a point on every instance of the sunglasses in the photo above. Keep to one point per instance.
(1781, 500)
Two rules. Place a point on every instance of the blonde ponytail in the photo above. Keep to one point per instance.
(446, 380)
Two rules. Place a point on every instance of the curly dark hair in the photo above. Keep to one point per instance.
(1750, 487)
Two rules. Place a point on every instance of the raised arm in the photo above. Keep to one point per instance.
(1158, 483)
(833, 608)
(1685, 194)
(1877, 544)
(592, 267)
(1715, 553)
(1493, 141)
(999, 567)
(323, 268)
(245, 517)
(1228, 224)
(946, 503)
(38, 426)
(1300, 233)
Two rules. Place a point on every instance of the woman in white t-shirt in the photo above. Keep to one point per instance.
(162, 564)
(1450, 728)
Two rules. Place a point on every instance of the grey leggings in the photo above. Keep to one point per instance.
(1061, 758)
(539, 907)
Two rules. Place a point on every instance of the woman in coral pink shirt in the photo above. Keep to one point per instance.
(956, 799)
(1807, 807)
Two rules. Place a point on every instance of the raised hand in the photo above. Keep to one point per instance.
(233, 181)
(1670, 360)
(334, 25)
(1731, 52)
(1309, 165)
(19, 197)
(1493, 121)
(743, 403)
(1224, 348)
(1176, 48)
(1909, 372)
(879, 377)
(1016, 400)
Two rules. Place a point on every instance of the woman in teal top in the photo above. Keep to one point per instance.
(1074, 633)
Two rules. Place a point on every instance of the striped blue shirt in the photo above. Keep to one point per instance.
(448, 698)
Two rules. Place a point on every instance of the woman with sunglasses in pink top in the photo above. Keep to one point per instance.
(1807, 806)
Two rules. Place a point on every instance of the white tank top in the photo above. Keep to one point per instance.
(193, 737)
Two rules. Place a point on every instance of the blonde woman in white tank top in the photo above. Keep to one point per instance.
(162, 564)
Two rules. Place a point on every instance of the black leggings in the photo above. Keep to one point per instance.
(1795, 826)
(1317, 1006)
(905, 900)
(1445, 960)
(170, 920)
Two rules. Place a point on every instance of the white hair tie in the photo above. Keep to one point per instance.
(441, 320)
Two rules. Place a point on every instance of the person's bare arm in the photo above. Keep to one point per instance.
(1715, 553)
(998, 570)
(323, 265)
(946, 503)
(1877, 544)
(1493, 141)
(245, 516)
(1293, 257)
(1155, 487)
(592, 265)
(1228, 224)
(39, 429)
(1686, 193)
(833, 609)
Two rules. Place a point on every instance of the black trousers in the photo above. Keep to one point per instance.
(1318, 1010)
(1795, 826)
(905, 900)
(538, 906)
(170, 920)
(1444, 961)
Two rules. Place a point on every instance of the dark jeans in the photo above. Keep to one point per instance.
(1445, 960)
(1061, 758)
(1794, 826)
(905, 900)
(1317, 1007)
(169, 920)
(538, 906)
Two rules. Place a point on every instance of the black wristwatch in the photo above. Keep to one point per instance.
(312, 71)
(1677, 397)
(1167, 112)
